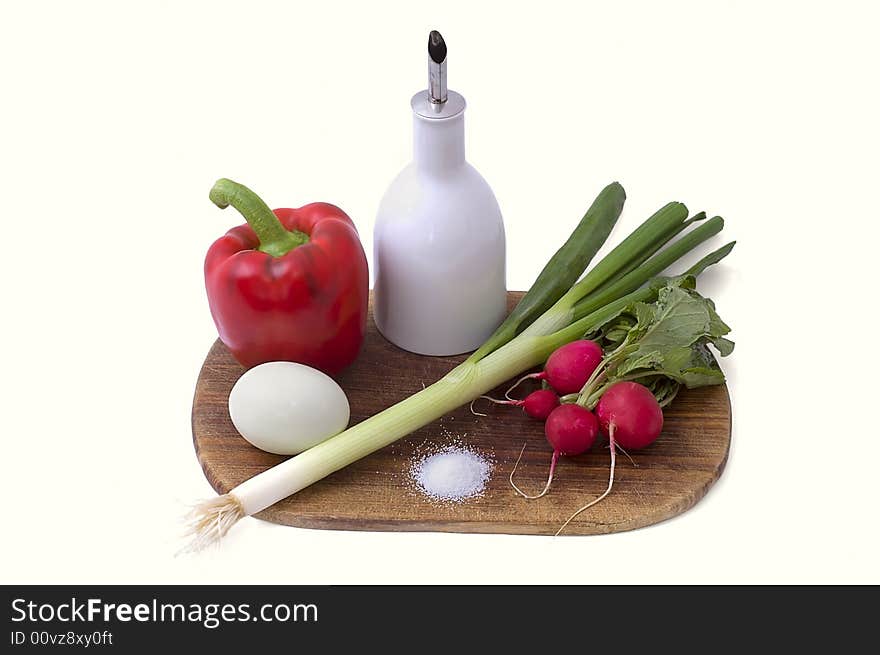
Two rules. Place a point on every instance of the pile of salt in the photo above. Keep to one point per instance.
(452, 474)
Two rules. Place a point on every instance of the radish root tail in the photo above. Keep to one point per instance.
(210, 520)
(613, 446)
(519, 382)
(475, 412)
(549, 478)
(631, 460)
(492, 400)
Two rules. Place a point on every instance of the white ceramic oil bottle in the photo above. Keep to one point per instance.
(439, 254)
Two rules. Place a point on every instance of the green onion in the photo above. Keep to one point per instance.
(649, 237)
(651, 268)
(710, 259)
(641, 259)
(563, 269)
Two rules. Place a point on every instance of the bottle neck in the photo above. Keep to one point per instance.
(438, 143)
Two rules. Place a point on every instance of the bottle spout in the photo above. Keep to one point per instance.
(437, 102)
(437, 85)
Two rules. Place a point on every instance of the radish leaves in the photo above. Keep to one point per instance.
(662, 343)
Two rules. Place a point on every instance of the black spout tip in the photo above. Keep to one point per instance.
(436, 47)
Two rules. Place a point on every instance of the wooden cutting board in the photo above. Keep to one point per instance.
(377, 492)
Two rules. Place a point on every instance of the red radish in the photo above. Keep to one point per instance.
(537, 404)
(571, 430)
(632, 413)
(631, 417)
(569, 367)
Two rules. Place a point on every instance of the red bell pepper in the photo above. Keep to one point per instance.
(290, 285)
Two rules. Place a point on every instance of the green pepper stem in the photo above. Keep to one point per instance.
(274, 238)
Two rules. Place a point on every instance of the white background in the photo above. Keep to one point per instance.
(118, 117)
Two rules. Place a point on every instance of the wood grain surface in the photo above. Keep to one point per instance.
(377, 492)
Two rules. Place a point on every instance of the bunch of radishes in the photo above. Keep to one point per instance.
(627, 413)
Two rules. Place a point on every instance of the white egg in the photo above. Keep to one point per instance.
(286, 408)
